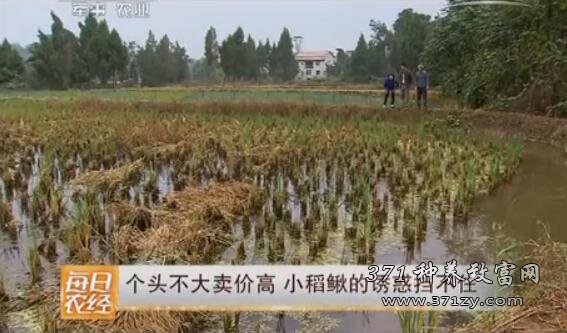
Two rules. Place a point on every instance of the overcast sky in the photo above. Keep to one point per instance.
(324, 24)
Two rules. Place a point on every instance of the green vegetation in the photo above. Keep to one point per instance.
(242, 59)
(386, 50)
(34, 263)
(418, 321)
(11, 64)
(511, 56)
(338, 96)
(160, 63)
(61, 60)
(282, 61)
(543, 303)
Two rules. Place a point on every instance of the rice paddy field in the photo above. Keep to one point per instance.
(362, 95)
(188, 176)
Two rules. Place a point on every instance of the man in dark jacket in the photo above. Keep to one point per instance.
(422, 84)
(406, 80)
(390, 89)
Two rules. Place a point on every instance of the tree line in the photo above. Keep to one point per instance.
(11, 64)
(241, 59)
(512, 57)
(385, 49)
(99, 57)
(96, 57)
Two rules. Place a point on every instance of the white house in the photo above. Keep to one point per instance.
(313, 64)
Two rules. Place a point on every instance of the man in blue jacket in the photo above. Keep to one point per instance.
(390, 89)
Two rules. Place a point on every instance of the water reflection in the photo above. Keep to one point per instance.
(317, 218)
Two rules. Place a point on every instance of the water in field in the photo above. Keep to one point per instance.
(538, 192)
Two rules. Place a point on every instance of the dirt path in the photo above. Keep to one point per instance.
(530, 127)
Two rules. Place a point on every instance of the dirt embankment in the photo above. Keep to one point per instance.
(530, 127)
(545, 303)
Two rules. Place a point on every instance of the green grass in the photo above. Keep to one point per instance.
(213, 93)
(417, 321)
(178, 94)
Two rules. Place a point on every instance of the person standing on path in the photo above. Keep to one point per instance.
(422, 84)
(406, 80)
(390, 89)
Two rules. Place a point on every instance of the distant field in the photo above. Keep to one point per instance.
(340, 95)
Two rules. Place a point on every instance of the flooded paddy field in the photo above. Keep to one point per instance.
(89, 181)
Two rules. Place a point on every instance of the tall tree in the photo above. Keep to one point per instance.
(102, 51)
(409, 38)
(253, 68)
(55, 57)
(359, 63)
(284, 64)
(162, 63)
(273, 60)
(87, 32)
(263, 57)
(148, 61)
(11, 64)
(378, 49)
(166, 64)
(181, 61)
(133, 68)
(211, 47)
(100, 48)
(118, 55)
(233, 55)
(342, 65)
(506, 55)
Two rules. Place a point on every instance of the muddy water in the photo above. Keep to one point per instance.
(538, 193)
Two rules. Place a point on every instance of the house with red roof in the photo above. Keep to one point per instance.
(314, 65)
